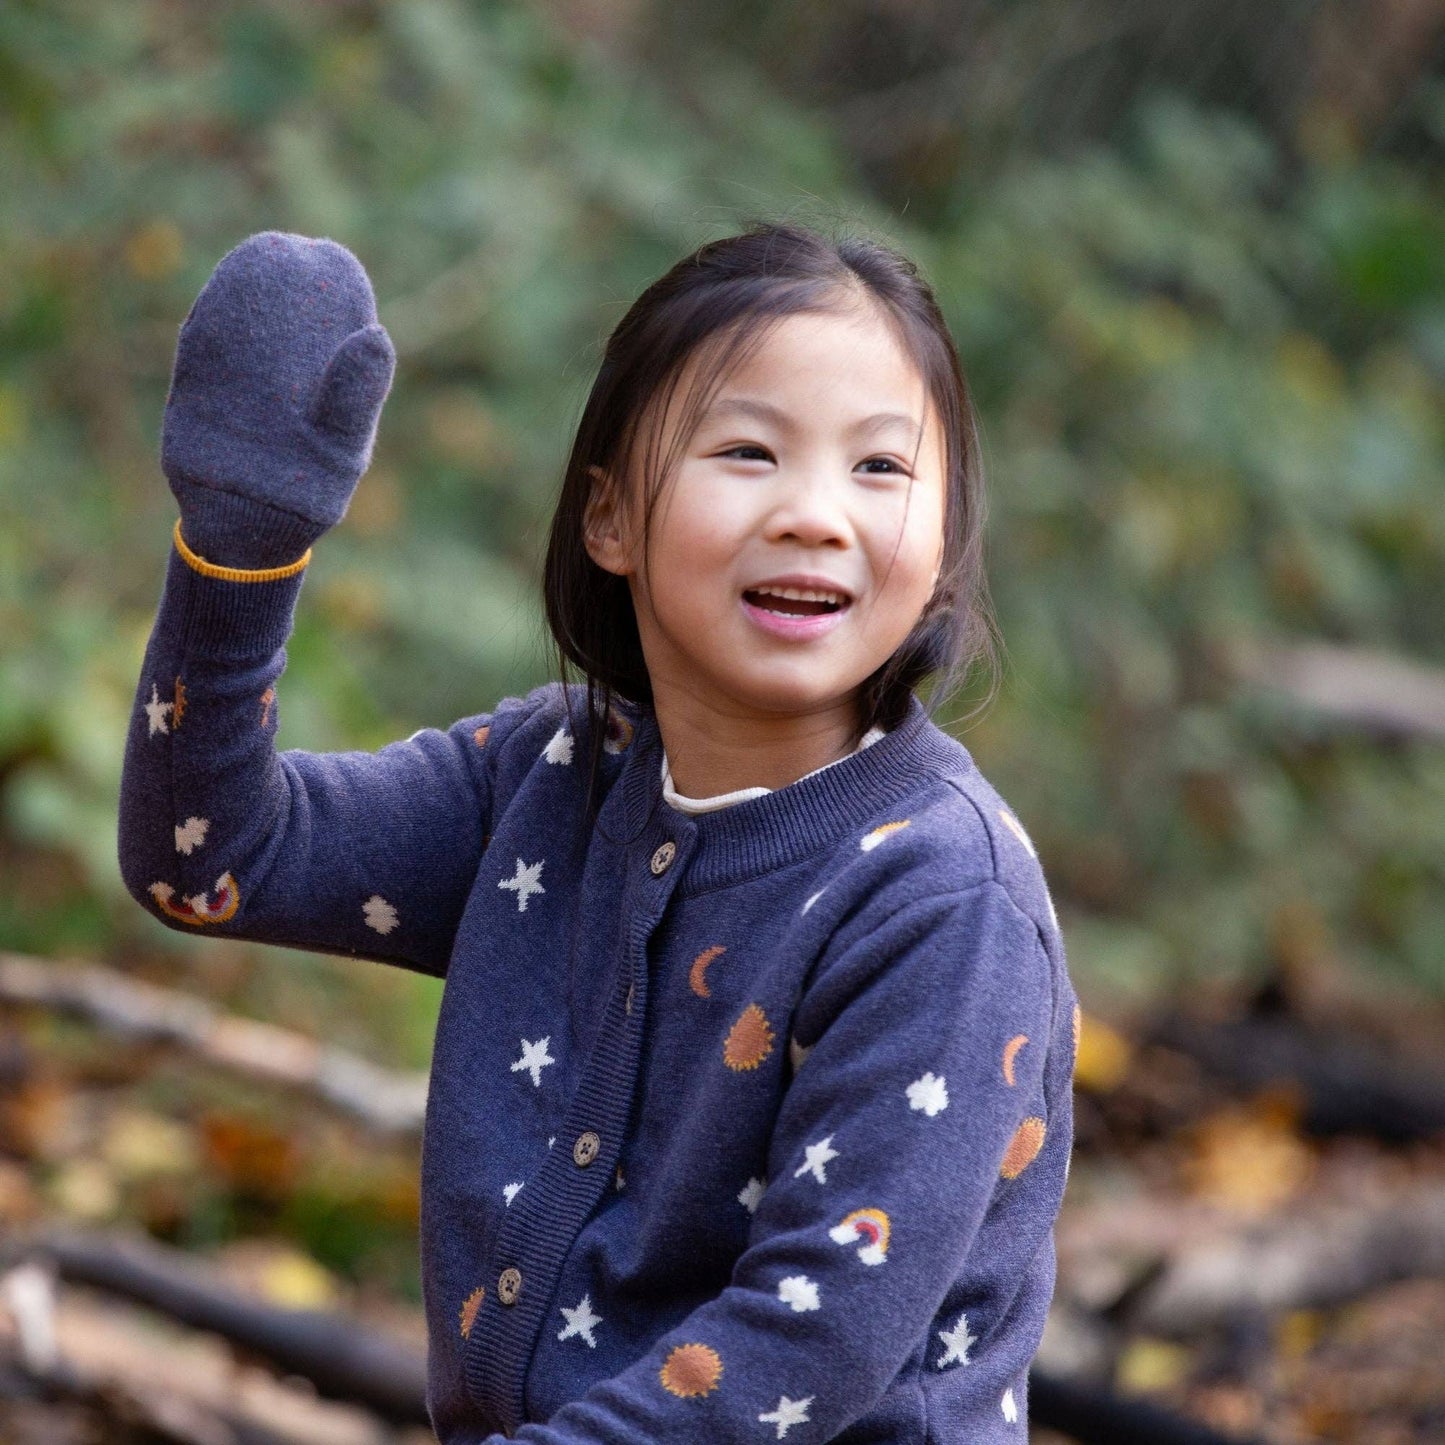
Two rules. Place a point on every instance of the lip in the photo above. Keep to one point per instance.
(805, 626)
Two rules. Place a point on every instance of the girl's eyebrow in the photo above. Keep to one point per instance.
(766, 411)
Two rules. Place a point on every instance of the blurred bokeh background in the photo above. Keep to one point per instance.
(1193, 256)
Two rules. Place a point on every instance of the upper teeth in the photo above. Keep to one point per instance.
(802, 594)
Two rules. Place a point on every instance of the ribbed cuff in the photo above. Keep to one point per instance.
(219, 616)
(244, 533)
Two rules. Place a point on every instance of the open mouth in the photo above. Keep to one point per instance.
(791, 605)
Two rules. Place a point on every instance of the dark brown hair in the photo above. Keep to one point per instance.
(719, 302)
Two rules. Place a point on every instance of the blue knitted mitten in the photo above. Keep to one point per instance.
(280, 375)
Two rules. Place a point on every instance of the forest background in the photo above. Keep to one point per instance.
(1193, 257)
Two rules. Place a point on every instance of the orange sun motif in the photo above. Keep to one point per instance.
(179, 711)
(197, 909)
(1009, 1050)
(696, 977)
(1023, 1148)
(267, 698)
(470, 1307)
(480, 736)
(691, 1371)
(749, 1041)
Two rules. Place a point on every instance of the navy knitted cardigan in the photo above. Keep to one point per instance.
(745, 1126)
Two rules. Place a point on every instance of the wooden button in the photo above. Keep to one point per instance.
(662, 859)
(509, 1286)
(586, 1149)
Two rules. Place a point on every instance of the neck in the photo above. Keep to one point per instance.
(711, 750)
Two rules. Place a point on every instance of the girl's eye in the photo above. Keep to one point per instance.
(748, 447)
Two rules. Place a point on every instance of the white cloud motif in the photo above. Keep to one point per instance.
(559, 749)
(380, 915)
(929, 1094)
(191, 835)
(751, 1194)
(510, 1191)
(1009, 1407)
(800, 1292)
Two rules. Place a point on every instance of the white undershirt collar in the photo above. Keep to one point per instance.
(741, 795)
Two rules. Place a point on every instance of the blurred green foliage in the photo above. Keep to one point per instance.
(1210, 377)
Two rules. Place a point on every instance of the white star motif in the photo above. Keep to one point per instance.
(788, 1414)
(800, 1292)
(957, 1340)
(580, 1321)
(928, 1094)
(552, 1140)
(534, 1059)
(751, 1194)
(1009, 1408)
(797, 1053)
(619, 1181)
(380, 915)
(559, 749)
(156, 711)
(816, 1163)
(511, 1191)
(524, 883)
(192, 835)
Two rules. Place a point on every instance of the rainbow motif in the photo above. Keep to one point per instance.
(197, 909)
(869, 1225)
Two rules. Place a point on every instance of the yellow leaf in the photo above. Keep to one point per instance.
(1250, 1157)
(1104, 1055)
(1149, 1365)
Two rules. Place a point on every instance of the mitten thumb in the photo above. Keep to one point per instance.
(358, 377)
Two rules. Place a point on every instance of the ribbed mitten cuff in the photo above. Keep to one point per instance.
(230, 530)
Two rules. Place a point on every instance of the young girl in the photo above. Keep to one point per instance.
(749, 1114)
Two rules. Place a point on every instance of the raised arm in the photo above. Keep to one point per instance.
(281, 371)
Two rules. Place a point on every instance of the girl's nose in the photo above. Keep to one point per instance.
(810, 508)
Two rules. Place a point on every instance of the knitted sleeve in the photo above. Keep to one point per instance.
(918, 1115)
(369, 855)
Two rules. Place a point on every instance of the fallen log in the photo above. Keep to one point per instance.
(387, 1101)
(1313, 1259)
(1347, 1085)
(341, 1359)
(1093, 1415)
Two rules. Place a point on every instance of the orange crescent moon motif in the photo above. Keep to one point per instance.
(696, 976)
(1009, 1050)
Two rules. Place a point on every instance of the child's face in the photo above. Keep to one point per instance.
(812, 490)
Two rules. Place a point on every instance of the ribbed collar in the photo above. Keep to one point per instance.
(769, 832)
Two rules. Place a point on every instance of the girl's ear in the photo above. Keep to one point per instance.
(602, 529)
